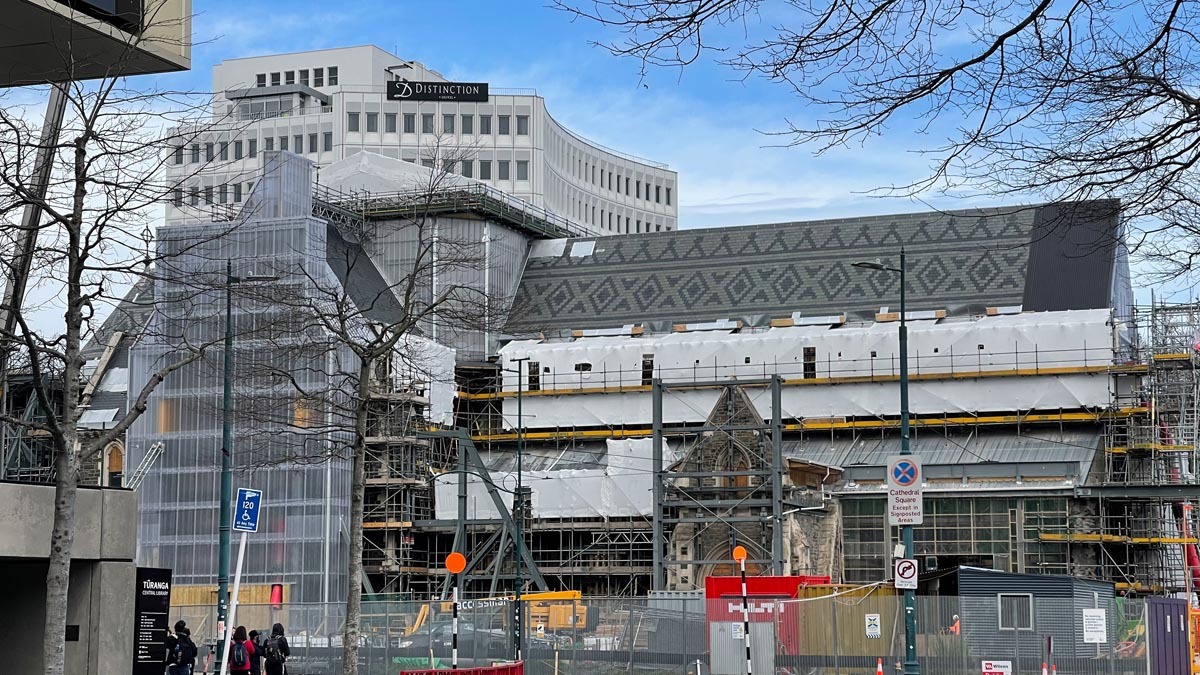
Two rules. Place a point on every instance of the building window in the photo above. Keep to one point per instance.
(626, 224)
(610, 183)
(534, 370)
(327, 144)
(447, 124)
(503, 121)
(485, 125)
(268, 143)
(427, 123)
(333, 75)
(177, 197)
(410, 123)
(522, 125)
(222, 193)
(304, 77)
(626, 186)
(522, 169)
(352, 121)
(502, 169)
(638, 226)
(657, 194)
(810, 363)
(274, 79)
(485, 169)
(467, 168)
(1015, 611)
(224, 151)
(208, 152)
(195, 195)
(208, 194)
(468, 125)
(389, 123)
(252, 147)
(312, 142)
(372, 122)
(289, 77)
(237, 150)
(237, 192)
(639, 189)
(583, 367)
(427, 163)
(647, 362)
(260, 80)
(283, 143)
(668, 196)
(178, 154)
(318, 77)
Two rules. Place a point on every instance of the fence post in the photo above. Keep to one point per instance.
(837, 667)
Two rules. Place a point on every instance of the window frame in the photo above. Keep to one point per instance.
(372, 122)
(318, 77)
(1000, 612)
(485, 125)
(523, 129)
(353, 122)
(448, 124)
(503, 169)
(427, 123)
(331, 75)
(410, 123)
(522, 164)
(389, 123)
(327, 141)
(503, 125)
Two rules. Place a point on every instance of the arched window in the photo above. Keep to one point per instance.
(114, 465)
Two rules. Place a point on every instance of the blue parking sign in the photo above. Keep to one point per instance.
(245, 511)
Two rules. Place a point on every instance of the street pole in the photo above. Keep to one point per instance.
(519, 500)
(226, 470)
(911, 667)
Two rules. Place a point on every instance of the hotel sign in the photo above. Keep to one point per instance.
(437, 91)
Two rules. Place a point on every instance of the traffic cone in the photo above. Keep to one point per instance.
(1044, 672)
(1054, 669)
(879, 667)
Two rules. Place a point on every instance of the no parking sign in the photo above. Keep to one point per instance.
(904, 478)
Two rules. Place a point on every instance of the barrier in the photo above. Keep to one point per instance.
(517, 668)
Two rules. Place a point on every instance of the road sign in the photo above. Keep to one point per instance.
(245, 511)
(904, 478)
(873, 627)
(1095, 626)
(997, 668)
(905, 574)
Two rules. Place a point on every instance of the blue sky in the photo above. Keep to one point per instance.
(704, 121)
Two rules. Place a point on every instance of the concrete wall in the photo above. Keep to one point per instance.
(101, 597)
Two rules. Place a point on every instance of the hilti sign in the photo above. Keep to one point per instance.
(757, 607)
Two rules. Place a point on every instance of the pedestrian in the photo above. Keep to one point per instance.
(277, 651)
(955, 626)
(181, 651)
(256, 657)
(241, 651)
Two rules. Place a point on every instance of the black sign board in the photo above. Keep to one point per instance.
(151, 613)
(437, 91)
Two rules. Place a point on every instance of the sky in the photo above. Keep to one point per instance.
(706, 122)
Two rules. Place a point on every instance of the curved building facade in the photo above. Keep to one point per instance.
(330, 104)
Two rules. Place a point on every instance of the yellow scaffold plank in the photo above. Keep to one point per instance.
(1082, 537)
(1163, 540)
(1173, 357)
(1150, 447)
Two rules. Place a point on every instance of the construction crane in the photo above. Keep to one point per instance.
(143, 467)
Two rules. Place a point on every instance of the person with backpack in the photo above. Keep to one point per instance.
(277, 651)
(181, 651)
(241, 651)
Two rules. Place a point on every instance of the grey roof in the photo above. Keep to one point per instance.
(129, 316)
(961, 261)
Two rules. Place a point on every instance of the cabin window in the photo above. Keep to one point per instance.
(810, 363)
(647, 369)
(535, 375)
(583, 367)
(1016, 611)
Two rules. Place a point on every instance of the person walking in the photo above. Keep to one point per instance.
(277, 651)
(256, 658)
(241, 651)
(181, 651)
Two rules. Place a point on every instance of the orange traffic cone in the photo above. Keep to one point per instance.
(1044, 672)
(879, 667)
(1054, 669)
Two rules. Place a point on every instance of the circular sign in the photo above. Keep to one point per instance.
(906, 569)
(905, 473)
(739, 553)
(456, 562)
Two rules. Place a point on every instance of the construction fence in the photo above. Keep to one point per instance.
(849, 634)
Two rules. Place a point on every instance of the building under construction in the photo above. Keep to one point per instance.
(643, 403)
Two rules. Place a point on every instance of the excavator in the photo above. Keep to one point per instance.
(551, 611)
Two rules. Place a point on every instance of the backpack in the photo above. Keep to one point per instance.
(174, 652)
(238, 656)
(185, 651)
(274, 653)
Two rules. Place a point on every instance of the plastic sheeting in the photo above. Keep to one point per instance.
(621, 489)
(375, 173)
(422, 364)
(1049, 343)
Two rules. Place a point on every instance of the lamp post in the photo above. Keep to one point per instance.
(519, 499)
(911, 667)
(226, 505)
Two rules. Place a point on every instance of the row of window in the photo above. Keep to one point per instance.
(588, 169)
(223, 150)
(467, 167)
(225, 193)
(612, 221)
(289, 77)
(465, 123)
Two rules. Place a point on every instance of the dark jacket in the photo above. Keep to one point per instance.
(284, 649)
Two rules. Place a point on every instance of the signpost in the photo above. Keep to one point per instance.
(739, 554)
(455, 564)
(905, 574)
(1095, 626)
(151, 614)
(874, 631)
(905, 503)
(245, 520)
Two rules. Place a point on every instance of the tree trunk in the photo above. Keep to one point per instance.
(58, 576)
(357, 489)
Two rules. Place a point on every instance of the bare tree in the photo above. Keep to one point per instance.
(91, 243)
(370, 310)
(1072, 100)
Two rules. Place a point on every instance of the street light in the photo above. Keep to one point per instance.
(225, 527)
(911, 667)
(519, 499)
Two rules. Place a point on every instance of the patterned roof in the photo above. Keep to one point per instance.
(957, 260)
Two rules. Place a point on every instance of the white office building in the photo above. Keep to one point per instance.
(330, 104)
